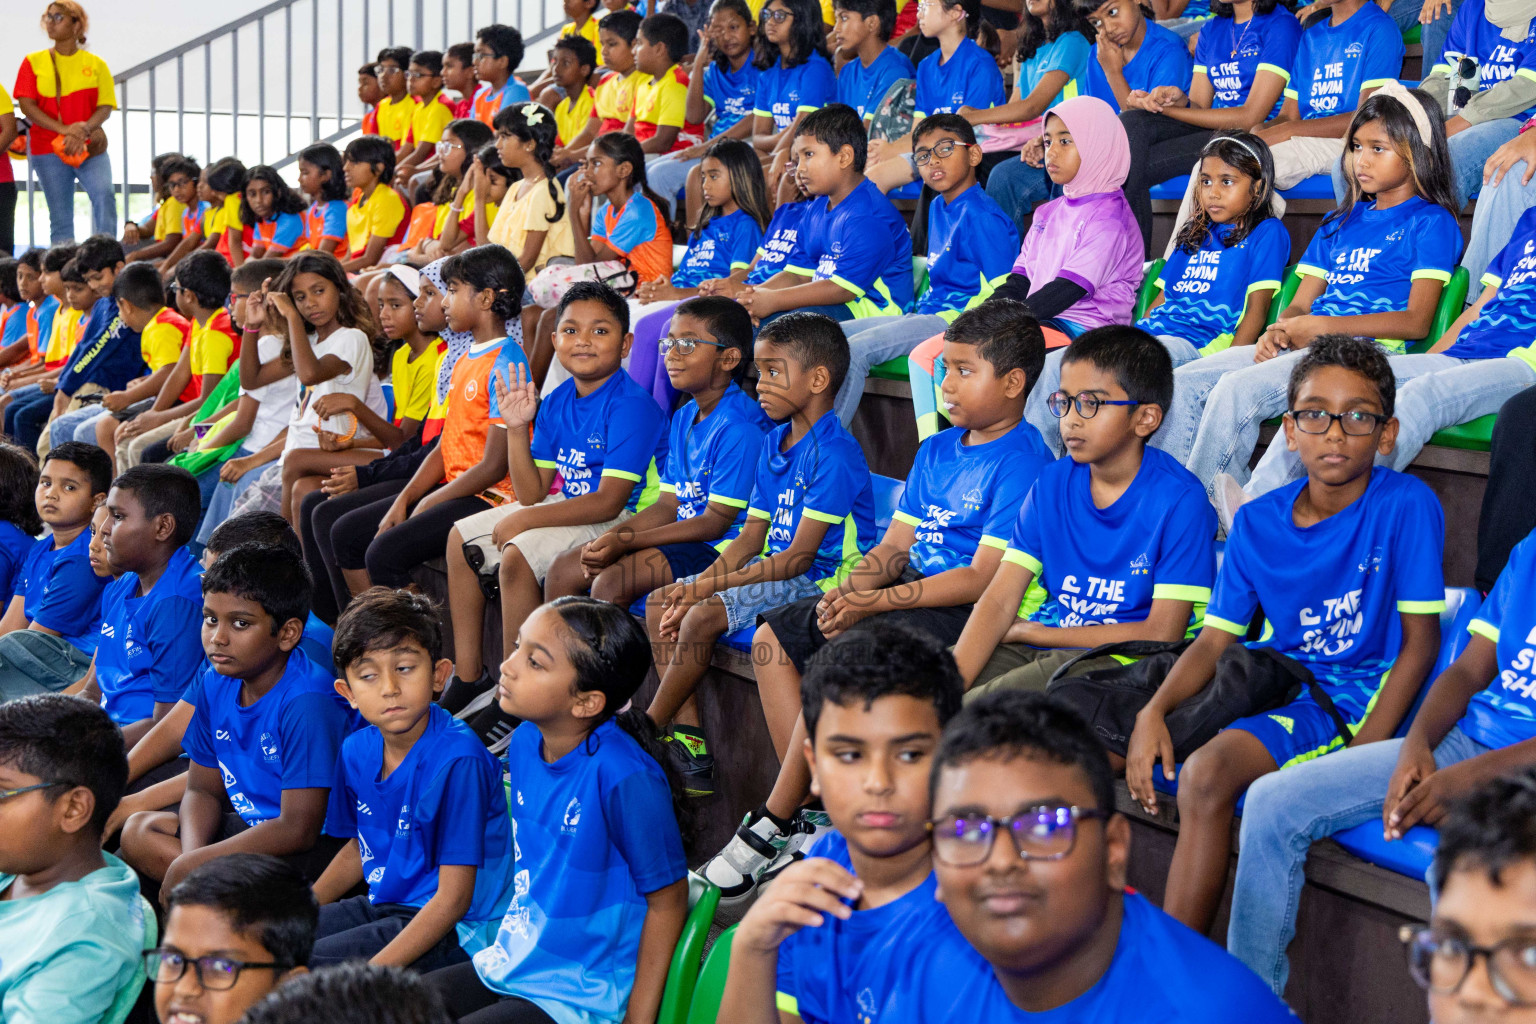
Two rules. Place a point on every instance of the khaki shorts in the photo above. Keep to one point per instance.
(539, 548)
(1022, 667)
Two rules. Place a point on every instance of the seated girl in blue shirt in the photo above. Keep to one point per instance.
(589, 788)
(796, 77)
(1132, 54)
(1375, 269)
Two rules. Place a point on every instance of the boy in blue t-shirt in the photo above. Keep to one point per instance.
(601, 433)
(959, 75)
(1478, 721)
(1113, 543)
(712, 449)
(810, 518)
(854, 246)
(863, 28)
(148, 650)
(71, 919)
(971, 243)
(1346, 566)
(877, 697)
(51, 623)
(1018, 775)
(942, 548)
(265, 733)
(418, 797)
(1133, 54)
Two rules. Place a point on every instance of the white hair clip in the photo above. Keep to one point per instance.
(533, 114)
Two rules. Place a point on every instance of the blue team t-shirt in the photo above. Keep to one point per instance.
(784, 92)
(1507, 322)
(287, 739)
(715, 459)
(46, 311)
(862, 88)
(1333, 592)
(724, 244)
(443, 804)
(1161, 973)
(961, 496)
(1232, 56)
(779, 241)
(109, 353)
(151, 646)
(824, 476)
(1498, 59)
(1371, 258)
(1106, 565)
(732, 94)
(829, 975)
(969, 78)
(971, 242)
(592, 834)
(861, 244)
(15, 325)
(63, 592)
(1205, 293)
(316, 641)
(15, 545)
(1068, 52)
(617, 430)
(1504, 713)
(1333, 64)
(1163, 59)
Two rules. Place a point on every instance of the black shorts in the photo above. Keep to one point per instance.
(688, 559)
(800, 637)
(310, 863)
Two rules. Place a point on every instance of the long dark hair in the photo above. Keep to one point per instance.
(327, 157)
(284, 198)
(472, 135)
(1429, 164)
(748, 188)
(612, 655)
(18, 489)
(514, 121)
(1249, 155)
(1035, 33)
(625, 149)
(353, 309)
(1260, 8)
(807, 36)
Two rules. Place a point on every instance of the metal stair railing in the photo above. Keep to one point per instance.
(296, 59)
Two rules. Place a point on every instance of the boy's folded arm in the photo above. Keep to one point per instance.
(1421, 645)
(1453, 690)
(884, 563)
(959, 586)
(135, 731)
(812, 293)
(747, 545)
(294, 830)
(148, 387)
(601, 505)
(202, 807)
(1167, 621)
(995, 611)
(436, 918)
(15, 616)
(709, 525)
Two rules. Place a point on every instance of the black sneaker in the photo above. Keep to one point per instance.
(459, 696)
(693, 760)
(494, 727)
(490, 582)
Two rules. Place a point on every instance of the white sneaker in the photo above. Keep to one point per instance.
(1229, 497)
(757, 846)
(809, 825)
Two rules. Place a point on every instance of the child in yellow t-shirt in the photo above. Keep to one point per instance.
(659, 118)
(615, 94)
(376, 213)
(533, 222)
(398, 106)
(434, 112)
(164, 225)
(573, 60)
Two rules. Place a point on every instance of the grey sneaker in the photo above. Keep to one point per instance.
(1229, 497)
(756, 846)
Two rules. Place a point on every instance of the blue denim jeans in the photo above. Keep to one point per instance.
(1433, 392)
(1285, 813)
(224, 495)
(873, 340)
(1049, 426)
(1493, 222)
(68, 426)
(58, 181)
(1219, 401)
(1018, 188)
(1434, 34)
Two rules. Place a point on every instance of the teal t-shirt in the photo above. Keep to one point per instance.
(64, 955)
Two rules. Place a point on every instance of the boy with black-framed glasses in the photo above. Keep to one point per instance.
(1119, 536)
(1040, 922)
(235, 929)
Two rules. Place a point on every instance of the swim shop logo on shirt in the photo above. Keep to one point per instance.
(1328, 88)
(784, 512)
(1352, 267)
(827, 267)
(1329, 631)
(1227, 77)
(1524, 269)
(574, 469)
(783, 243)
(1099, 600)
(1520, 677)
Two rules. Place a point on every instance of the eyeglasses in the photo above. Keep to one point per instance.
(1039, 833)
(215, 973)
(1354, 423)
(413, 75)
(942, 151)
(380, 70)
(54, 17)
(481, 55)
(778, 15)
(444, 147)
(6, 794)
(686, 345)
(1440, 963)
(1086, 403)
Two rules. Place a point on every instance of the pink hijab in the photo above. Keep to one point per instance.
(1100, 141)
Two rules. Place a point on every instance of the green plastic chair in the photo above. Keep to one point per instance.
(1473, 437)
(1453, 299)
(1287, 292)
(683, 975)
(711, 985)
(128, 995)
(1148, 290)
(919, 276)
